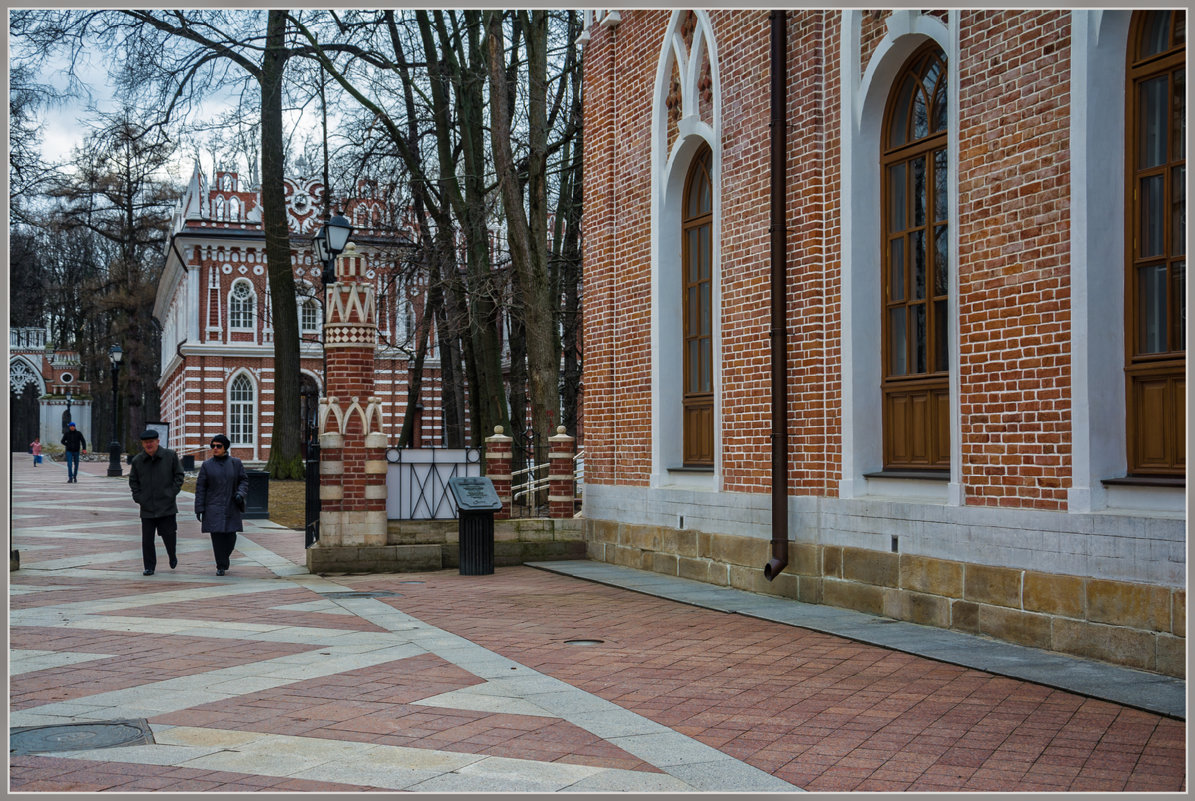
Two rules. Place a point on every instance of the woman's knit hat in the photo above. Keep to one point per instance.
(223, 440)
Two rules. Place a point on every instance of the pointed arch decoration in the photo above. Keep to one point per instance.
(686, 127)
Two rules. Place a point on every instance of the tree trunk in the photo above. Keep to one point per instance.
(286, 459)
(527, 226)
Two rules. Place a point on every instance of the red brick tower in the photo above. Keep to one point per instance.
(352, 444)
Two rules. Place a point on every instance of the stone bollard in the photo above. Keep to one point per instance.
(562, 477)
(498, 469)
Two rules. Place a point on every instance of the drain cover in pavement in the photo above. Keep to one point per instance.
(583, 642)
(378, 594)
(78, 736)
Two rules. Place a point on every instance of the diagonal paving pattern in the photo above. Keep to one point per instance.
(263, 680)
(505, 687)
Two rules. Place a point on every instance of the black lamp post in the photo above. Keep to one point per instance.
(66, 423)
(115, 354)
(330, 243)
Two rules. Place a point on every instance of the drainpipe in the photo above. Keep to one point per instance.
(779, 335)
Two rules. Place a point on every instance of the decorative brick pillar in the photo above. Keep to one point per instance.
(498, 469)
(352, 443)
(562, 476)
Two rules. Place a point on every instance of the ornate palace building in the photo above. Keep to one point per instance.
(214, 305)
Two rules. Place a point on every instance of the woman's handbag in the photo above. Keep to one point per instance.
(37, 459)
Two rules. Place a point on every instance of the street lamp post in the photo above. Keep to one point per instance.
(66, 423)
(329, 243)
(115, 354)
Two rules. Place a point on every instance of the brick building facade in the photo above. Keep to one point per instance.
(213, 302)
(985, 321)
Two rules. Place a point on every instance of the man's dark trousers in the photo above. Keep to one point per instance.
(167, 527)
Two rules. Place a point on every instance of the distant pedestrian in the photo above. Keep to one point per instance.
(220, 494)
(156, 478)
(74, 441)
(35, 449)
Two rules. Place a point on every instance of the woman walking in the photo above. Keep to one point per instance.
(220, 494)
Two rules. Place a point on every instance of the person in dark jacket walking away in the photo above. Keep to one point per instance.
(74, 441)
(156, 478)
(220, 494)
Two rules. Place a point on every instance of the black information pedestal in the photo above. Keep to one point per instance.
(476, 502)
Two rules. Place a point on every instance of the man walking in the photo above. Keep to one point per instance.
(74, 442)
(156, 478)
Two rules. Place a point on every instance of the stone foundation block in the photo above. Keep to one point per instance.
(1178, 613)
(1054, 595)
(832, 561)
(1013, 625)
(852, 595)
(964, 616)
(923, 608)
(999, 586)
(686, 543)
(745, 551)
(871, 567)
(697, 569)
(1120, 603)
(1109, 643)
(924, 574)
(809, 589)
(804, 559)
(1172, 655)
(664, 563)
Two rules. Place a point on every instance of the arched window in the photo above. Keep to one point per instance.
(697, 266)
(309, 316)
(234, 209)
(1156, 263)
(915, 274)
(241, 306)
(240, 410)
(220, 212)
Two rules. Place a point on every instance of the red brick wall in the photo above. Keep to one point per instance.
(620, 72)
(1014, 293)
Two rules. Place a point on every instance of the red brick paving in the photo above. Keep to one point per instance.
(375, 705)
(818, 711)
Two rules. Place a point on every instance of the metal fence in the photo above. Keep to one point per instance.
(417, 481)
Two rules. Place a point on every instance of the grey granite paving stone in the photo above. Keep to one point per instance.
(719, 776)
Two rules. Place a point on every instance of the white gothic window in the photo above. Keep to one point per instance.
(240, 307)
(234, 209)
(240, 411)
(220, 208)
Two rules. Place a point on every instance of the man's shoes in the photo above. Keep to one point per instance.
(149, 571)
(219, 571)
(173, 561)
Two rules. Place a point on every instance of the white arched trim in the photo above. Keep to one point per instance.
(670, 162)
(23, 372)
(864, 99)
(236, 320)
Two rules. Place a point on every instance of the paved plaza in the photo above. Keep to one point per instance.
(578, 678)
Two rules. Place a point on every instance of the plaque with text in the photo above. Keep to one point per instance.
(474, 494)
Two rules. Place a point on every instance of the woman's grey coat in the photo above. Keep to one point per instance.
(219, 480)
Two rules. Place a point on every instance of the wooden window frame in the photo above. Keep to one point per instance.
(698, 406)
(916, 403)
(1155, 381)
